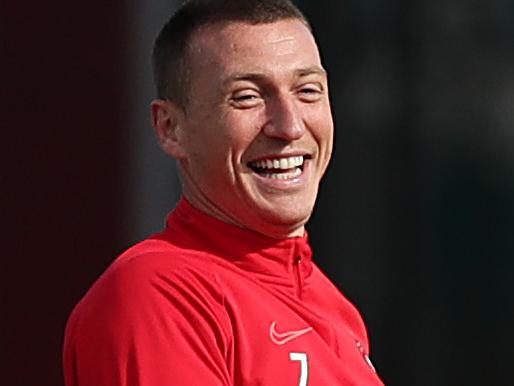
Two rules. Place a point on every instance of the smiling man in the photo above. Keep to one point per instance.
(228, 293)
(255, 135)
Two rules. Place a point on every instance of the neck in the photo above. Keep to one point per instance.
(274, 231)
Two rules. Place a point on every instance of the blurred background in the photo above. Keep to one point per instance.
(415, 218)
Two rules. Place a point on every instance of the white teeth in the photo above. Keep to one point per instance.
(284, 176)
(279, 163)
(289, 167)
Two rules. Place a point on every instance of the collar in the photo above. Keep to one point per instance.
(189, 228)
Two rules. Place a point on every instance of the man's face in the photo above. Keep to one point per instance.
(257, 131)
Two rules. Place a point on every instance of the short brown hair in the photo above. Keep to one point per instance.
(170, 48)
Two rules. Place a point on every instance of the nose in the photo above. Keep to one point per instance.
(284, 119)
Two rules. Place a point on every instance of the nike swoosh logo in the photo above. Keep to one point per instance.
(281, 338)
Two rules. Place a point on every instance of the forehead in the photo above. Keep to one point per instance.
(239, 46)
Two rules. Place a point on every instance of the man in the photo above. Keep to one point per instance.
(228, 294)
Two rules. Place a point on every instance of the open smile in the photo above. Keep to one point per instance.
(282, 168)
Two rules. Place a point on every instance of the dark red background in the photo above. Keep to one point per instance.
(61, 124)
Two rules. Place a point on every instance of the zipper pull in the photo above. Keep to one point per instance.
(299, 284)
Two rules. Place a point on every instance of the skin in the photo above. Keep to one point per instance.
(256, 92)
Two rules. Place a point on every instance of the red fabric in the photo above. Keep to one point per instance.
(207, 303)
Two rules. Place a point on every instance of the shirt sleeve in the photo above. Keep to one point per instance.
(143, 324)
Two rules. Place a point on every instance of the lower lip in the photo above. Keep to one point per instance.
(284, 184)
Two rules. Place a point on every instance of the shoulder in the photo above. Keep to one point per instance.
(150, 312)
(153, 279)
(153, 263)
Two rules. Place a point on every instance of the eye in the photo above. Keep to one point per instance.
(311, 92)
(246, 98)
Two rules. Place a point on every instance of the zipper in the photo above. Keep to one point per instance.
(298, 276)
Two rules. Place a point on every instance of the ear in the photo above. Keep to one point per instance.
(167, 120)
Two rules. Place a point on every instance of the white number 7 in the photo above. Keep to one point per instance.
(304, 366)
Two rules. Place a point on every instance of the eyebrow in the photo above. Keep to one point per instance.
(316, 70)
(256, 76)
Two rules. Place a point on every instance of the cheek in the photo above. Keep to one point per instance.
(322, 128)
(242, 127)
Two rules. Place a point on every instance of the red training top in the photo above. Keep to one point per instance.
(205, 303)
